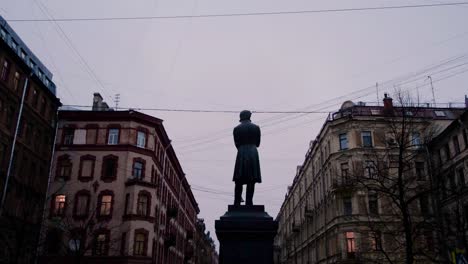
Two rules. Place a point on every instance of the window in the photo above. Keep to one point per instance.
(109, 167)
(370, 170)
(86, 168)
(376, 240)
(373, 203)
(350, 244)
(420, 173)
(23, 54)
(14, 45)
(465, 138)
(5, 70)
(140, 243)
(376, 112)
(16, 81)
(456, 144)
(447, 152)
(82, 199)
(143, 204)
(416, 139)
(43, 106)
(101, 243)
(58, 207)
(366, 139)
(439, 113)
(3, 33)
(345, 172)
(141, 139)
(424, 204)
(343, 141)
(138, 167)
(34, 97)
(64, 167)
(461, 177)
(113, 138)
(68, 135)
(105, 203)
(348, 206)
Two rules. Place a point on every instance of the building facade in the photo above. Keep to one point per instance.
(28, 106)
(205, 249)
(118, 193)
(341, 206)
(449, 165)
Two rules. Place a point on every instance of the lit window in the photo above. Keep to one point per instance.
(101, 245)
(141, 139)
(113, 138)
(59, 205)
(350, 244)
(343, 141)
(366, 139)
(439, 113)
(139, 245)
(138, 170)
(105, 206)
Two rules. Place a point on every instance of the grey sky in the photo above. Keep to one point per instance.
(283, 62)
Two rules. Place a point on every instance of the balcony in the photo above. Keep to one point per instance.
(343, 184)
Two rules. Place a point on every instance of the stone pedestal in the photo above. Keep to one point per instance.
(246, 234)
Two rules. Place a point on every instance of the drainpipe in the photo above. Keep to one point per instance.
(13, 145)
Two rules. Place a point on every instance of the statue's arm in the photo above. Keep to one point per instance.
(236, 138)
(258, 137)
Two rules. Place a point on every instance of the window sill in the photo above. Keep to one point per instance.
(135, 217)
(139, 182)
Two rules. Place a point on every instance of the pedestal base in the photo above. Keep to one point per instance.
(246, 234)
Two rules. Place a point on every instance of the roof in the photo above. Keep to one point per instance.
(16, 44)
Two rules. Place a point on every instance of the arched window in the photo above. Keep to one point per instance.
(144, 203)
(138, 168)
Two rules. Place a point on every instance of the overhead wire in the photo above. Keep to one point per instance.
(332, 10)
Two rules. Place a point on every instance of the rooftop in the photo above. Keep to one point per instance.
(9, 36)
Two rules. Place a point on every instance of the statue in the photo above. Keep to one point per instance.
(247, 168)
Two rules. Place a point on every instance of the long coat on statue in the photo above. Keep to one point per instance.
(247, 139)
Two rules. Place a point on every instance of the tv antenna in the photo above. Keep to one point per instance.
(117, 101)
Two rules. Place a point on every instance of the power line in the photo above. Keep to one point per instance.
(209, 111)
(72, 19)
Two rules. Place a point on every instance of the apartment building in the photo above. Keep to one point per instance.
(449, 168)
(118, 193)
(336, 210)
(28, 106)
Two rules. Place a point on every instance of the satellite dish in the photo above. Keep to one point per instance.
(346, 105)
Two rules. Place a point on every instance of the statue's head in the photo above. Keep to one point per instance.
(245, 115)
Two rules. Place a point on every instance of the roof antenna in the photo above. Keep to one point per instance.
(377, 88)
(117, 101)
(432, 87)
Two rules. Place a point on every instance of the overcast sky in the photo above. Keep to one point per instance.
(269, 62)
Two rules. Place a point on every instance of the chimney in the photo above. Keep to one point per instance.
(388, 105)
(466, 102)
(98, 103)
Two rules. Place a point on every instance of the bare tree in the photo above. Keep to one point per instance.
(396, 178)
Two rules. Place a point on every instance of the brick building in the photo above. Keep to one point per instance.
(118, 192)
(27, 95)
(329, 216)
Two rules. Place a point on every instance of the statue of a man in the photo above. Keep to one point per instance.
(247, 169)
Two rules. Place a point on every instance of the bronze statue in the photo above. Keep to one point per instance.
(247, 169)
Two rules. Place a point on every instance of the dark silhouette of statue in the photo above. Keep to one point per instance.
(247, 168)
